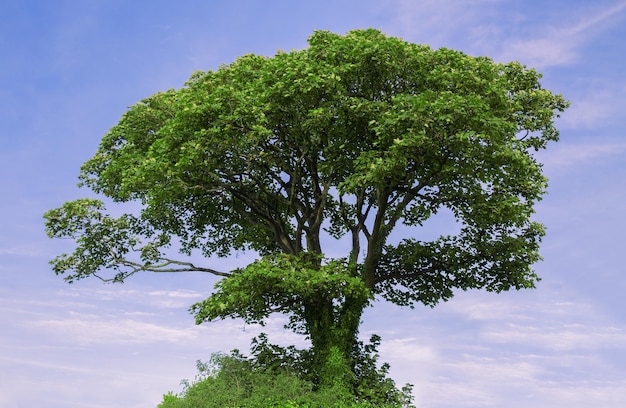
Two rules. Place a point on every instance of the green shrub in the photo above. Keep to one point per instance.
(277, 377)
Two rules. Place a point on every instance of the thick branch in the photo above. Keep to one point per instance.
(274, 224)
(376, 241)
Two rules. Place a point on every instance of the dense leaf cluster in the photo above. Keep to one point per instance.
(280, 283)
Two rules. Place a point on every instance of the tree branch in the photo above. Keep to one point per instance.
(162, 267)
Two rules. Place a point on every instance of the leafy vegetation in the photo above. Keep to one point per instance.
(280, 377)
(334, 146)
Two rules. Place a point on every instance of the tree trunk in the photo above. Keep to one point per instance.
(333, 332)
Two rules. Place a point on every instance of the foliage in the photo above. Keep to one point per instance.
(232, 381)
(353, 137)
(274, 377)
(280, 283)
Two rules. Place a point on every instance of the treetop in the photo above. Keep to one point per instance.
(352, 136)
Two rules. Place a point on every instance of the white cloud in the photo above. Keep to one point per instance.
(174, 299)
(47, 365)
(185, 294)
(456, 373)
(517, 382)
(595, 107)
(162, 299)
(486, 310)
(82, 329)
(409, 349)
(23, 251)
(606, 393)
(600, 18)
(139, 327)
(38, 306)
(437, 22)
(68, 380)
(560, 337)
(563, 155)
(484, 379)
(490, 27)
(514, 350)
(560, 44)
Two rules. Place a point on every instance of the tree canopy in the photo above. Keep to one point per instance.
(334, 146)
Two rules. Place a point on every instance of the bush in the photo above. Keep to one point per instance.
(278, 377)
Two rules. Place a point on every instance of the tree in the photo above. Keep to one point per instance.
(354, 137)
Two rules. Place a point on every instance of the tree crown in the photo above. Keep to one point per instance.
(353, 136)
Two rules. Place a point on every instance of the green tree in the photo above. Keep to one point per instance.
(353, 137)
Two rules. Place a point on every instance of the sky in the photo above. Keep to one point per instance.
(68, 71)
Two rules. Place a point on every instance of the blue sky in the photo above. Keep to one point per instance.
(68, 71)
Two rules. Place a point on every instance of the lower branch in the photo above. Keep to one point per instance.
(167, 266)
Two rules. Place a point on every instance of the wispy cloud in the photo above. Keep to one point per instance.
(174, 298)
(81, 328)
(598, 18)
(58, 366)
(23, 251)
(535, 350)
(185, 294)
(561, 337)
(490, 27)
(90, 386)
(163, 299)
(437, 22)
(563, 156)
(517, 382)
(560, 44)
(594, 106)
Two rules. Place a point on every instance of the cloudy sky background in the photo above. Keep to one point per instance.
(68, 71)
